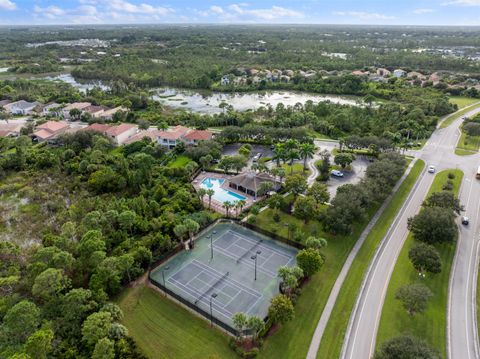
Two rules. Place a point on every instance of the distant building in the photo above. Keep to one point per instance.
(74, 106)
(21, 107)
(119, 133)
(50, 130)
(383, 72)
(399, 73)
(51, 108)
(171, 137)
(10, 129)
(225, 80)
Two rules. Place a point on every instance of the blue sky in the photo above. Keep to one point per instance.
(400, 12)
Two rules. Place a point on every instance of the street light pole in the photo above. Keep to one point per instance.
(211, 244)
(163, 277)
(254, 257)
(214, 295)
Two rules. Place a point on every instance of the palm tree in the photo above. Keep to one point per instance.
(279, 153)
(180, 231)
(210, 192)
(240, 204)
(201, 193)
(306, 151)
(192, 228)
(292, 155)
(227, 205)
(264, 188)
(291, 144)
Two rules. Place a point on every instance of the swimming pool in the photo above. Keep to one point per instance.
(221, 195)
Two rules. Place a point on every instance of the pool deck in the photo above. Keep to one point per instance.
(217, 205)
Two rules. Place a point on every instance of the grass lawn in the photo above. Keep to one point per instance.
(467, 144)
(179, 161)
(333, 336)
(295, 169)
(458, 114)
(430, 325)
(462, 101)
(164, 329)
(293, 339)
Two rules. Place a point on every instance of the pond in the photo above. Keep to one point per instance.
(81, 86)
(209, 102)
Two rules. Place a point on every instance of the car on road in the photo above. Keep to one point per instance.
(257, 157)
(465, 220)
(431, 169)
(337, 173)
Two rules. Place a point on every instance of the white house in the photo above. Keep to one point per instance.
(52, 108)
(399, 73)
(21, 107)
(172, 137)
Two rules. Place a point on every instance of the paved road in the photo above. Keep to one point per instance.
(361, 332)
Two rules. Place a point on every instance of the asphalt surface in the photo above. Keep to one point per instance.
(461, 333)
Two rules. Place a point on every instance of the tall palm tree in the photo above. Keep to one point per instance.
(210, 192)
(192, 228)
(292, 155)
(201, 193)
(279, 153)
(227, 205)
(241, 204)
(306, 151)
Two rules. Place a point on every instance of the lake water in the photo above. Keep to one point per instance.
(209, 102)
(82, 87)
(4, 69)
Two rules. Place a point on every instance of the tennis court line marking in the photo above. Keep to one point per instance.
(238, 285)
(247, 263)
(250, 240)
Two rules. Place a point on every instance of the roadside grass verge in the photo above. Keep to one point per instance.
(430, 325)
(458, 114)
(462, 101)
(292, 340)
(467, 145)
(333, 337)
(164, 329)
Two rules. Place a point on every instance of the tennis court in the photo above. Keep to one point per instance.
(229, 282)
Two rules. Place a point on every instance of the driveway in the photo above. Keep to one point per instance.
(232, 150)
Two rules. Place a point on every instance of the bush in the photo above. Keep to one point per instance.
(406, 346)
(451, 175)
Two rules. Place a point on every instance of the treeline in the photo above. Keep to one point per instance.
(115, 215)
(352, 202)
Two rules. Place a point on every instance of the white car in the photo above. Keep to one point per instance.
(431, 169)
(465, 220)
(337, 173)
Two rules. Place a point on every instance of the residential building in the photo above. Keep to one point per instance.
(21, 107)
(51, 108)
(107, 115)
(72, 106)
(95, 111)
(171, 137)
(399, 73)
(50, 130)
(119, 133)
(10, 129)
(383, 72)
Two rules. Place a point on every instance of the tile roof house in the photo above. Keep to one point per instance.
(50, 130)
(51, 108)
(171, 137)
(108, 113)
(119, 133)
(95, 111)
(10, 129)
(76, 105)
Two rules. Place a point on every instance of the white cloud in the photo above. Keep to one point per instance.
(423, 11)
(216, 10)
(127, 7)
(362, 15)
(7, 5)
(50, 12)
(463, 2)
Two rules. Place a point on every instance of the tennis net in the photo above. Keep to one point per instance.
(211, 287)
(250, 250)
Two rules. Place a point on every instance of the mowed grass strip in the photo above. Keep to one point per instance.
(293, 339)
(458, 114)
(430, 325)
(467, 145)
(462, 101)
(164, 329)
(333, 337)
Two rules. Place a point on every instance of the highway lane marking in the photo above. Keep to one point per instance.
(385, 287)
(467, 280)
(380, 249)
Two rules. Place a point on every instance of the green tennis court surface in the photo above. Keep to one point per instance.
(227, 280)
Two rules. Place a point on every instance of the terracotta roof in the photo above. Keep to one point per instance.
(174, 134)
(94, 109)
(141, 135)
(100, 127)
(118, 130)
(198, 135)
(43, 134)
(77, 105)
(53, 126)
(4, 133)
